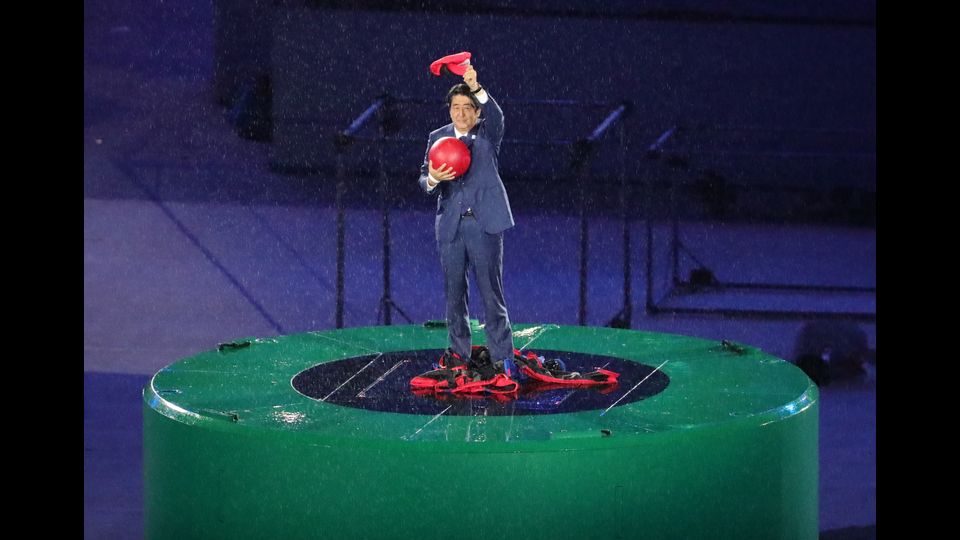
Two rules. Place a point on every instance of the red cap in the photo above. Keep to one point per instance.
(456, 63)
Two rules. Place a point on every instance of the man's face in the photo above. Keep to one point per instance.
(463, 113)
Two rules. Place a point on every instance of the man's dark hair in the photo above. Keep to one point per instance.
(462, 89)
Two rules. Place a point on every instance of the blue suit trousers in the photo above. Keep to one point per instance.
(473, 249)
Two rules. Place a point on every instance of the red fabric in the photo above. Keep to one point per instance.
(456, 63)
(611, 377)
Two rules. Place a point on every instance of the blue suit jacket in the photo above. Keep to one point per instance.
(481, 187)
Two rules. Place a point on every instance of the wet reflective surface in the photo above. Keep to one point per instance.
(381, 382)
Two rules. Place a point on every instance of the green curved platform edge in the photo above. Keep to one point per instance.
(728, 450)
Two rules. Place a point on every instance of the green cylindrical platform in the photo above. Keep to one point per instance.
(728, 449)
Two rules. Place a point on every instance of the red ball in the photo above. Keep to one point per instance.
(451, 151)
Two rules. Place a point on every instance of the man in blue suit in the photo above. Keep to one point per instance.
(472, 213)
